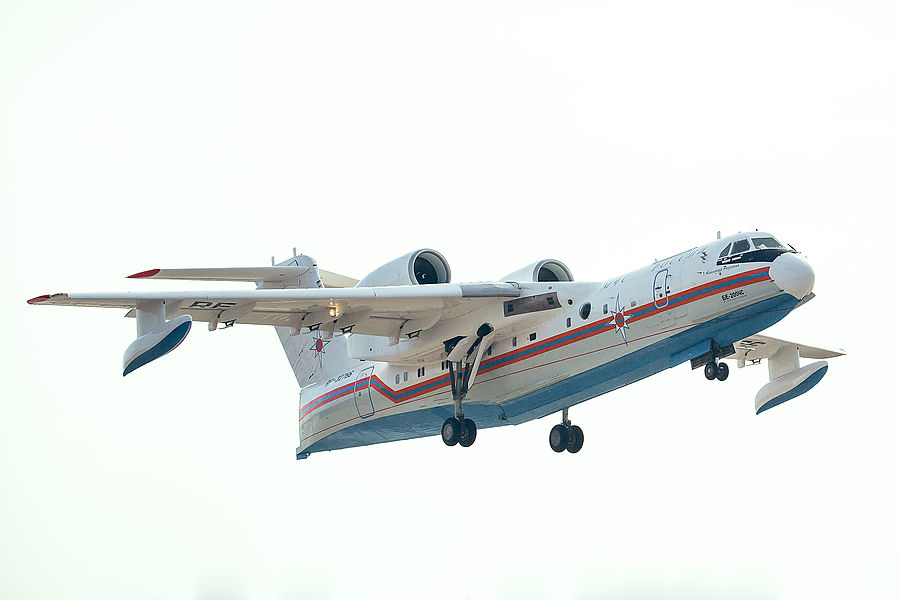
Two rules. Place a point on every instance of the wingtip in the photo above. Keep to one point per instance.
(143, 274)
(39, 299)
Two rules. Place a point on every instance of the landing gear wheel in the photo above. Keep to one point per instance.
(576, 439)
(711, 370)
(468, 433)
(450, 431)
(559, 438)
(722, 372)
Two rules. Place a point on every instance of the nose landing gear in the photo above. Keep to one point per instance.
(566, 436)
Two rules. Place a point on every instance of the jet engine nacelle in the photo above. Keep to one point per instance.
(419, 267)
(542, 270)
(788, 379)
(156, 336)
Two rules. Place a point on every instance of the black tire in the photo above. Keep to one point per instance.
(469, 431)
(711, 370)
(722, 372)
(576, 439)
(559, 438)
(450, 431)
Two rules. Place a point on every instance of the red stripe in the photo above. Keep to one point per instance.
(580, 334)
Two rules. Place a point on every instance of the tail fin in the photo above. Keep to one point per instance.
(314, 355)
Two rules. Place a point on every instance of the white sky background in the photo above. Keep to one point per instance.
(603, 134)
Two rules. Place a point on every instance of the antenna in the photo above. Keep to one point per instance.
(295, 250)
(273, 261)
(718, 235)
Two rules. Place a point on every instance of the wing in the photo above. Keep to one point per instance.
(757, 347)
(379, 311)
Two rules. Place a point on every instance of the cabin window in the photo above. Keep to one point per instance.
(420, 372)
(605, 308)
(585, 310)
(405, 375)
(397, 379)
(514, 341)
(568, 321)
(740, 246)
(725, 251)
(634, 302)
(532, 336)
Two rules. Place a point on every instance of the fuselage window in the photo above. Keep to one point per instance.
(740, 246)
(605, 308)
(514, 341)
(532, 336)
(405, 375)
(568, 321)
(397, 379)
(585, 310)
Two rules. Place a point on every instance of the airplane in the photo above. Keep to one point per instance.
(404, 353)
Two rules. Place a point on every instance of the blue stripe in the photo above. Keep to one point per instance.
(578, 388)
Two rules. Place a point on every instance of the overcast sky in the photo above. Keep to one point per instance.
(183, 134)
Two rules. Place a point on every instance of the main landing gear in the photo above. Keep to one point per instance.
(459, 430)
(566, 436)
(714, 370)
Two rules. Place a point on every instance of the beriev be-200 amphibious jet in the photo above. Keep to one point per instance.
(404, 353)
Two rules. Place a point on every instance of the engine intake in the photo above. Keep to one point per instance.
(542, 270)
(419, 267)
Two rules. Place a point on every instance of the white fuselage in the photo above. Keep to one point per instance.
(603, 336)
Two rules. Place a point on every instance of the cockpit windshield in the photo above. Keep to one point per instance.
(765, 243)
(764, 248)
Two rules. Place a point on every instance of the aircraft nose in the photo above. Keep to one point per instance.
(792, 274)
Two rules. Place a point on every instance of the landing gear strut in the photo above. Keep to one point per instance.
(458, 429)
(566, 436)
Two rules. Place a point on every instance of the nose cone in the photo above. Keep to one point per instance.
(792, 274)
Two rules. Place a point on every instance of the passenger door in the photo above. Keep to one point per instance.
(362, 393)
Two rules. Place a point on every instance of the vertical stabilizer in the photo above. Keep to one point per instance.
(313, 355)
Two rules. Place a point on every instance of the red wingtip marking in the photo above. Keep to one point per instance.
(39, 299)
(142, 274)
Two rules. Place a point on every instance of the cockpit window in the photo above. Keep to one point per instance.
(765, 243)
(725, 251)
(740, 246)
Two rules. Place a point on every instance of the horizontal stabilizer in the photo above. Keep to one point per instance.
(284, 273)
(334, 280)
(280, 276)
